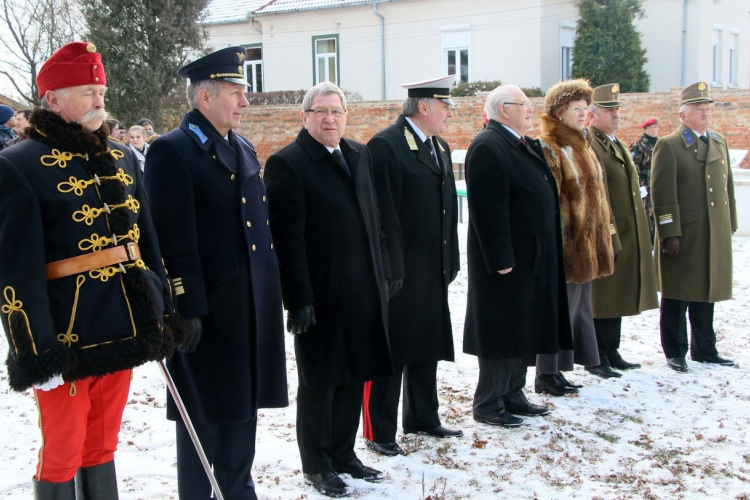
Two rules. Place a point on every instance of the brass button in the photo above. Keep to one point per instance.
(254, 248)
(232, 176)
(709, 176)
(268, 222)
(634, 193)
(443, 272)
(96, 79)
(710, 190)
(722, 162)
(244, 200)
(271, 246)
(725, 188)
(445, 242)
(249, 224)
(725, 202)
(443, 183)
(712, 203)
(443, 211)
(724, 175)
(95, 66)
(696, 150)
(214, 157)
(264, 199)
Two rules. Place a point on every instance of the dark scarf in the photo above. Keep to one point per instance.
(651, 141)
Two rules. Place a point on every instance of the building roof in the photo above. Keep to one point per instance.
(234, 11)
(230, 11)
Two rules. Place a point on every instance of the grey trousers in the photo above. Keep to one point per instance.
(501, 381)
(585, 351)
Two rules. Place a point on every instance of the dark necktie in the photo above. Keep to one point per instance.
(431, 147)
(524, 141)
(339, 157)
(704, 139)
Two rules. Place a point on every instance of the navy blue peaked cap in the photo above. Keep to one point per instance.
(225, 64)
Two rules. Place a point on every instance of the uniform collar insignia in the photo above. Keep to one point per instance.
(688, 136)
(714, 134)
(198, 132)
(410, 140)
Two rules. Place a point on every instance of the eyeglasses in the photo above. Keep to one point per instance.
(525, 104)
(578, 109)
(322, 112)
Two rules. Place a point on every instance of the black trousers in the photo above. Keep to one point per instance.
(608, 331)
(327, 423)
(674, 339)
(501, 381)
(230, 449)
(420, 408)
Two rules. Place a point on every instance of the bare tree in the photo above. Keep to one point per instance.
(34, 30)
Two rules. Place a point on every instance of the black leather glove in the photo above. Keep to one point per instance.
(671, 245)
(193, 332)
(301, 320)
(453, 276)
(394, 286)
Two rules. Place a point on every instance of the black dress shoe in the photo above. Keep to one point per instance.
(358, 470)
(501, 418)
(527, 409)
(387, 449)
(715, 359)
(616, 361)
(603, 371)
(329, 484)
(678, 364)
(545, 382)
(566, 382)
(439, 431)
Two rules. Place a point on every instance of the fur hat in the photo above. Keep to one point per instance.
(561, 93)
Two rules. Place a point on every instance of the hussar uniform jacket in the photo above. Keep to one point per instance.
(210, 210)
(66, 193)
(418, 212)
(693, 196)
(632, 287)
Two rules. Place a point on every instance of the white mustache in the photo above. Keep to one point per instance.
(93, 114)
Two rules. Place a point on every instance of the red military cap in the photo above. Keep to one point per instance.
(649, 122)
(73, 64)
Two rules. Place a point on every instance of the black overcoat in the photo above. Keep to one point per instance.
(514, 222)
(418, 213)
(332, 253)
(67, 193)
(209, 206)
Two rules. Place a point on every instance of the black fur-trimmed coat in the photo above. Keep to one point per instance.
(65, 192)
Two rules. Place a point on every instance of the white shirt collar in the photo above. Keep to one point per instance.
(331, 150)
(421, 134)
(511, 131)
(697, 134)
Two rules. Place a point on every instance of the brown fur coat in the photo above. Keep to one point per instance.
(584, 209)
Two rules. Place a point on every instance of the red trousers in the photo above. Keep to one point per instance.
(80, 423)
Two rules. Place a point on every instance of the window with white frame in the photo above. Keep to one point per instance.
(716, 55)
(326, 58)
(254, 68)
(567, 40)
(457, 52)
(734, 47)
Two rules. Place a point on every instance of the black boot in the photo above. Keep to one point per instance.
(551, 385)
(97, 483)
(54, 491)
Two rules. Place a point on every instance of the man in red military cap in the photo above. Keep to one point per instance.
(85, 296)
(642, 150)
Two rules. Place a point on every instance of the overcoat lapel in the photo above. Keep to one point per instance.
(423, 150)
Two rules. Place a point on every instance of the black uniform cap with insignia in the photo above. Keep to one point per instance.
(695, 93)
(225, 64)
(436, 88)
(607, 96)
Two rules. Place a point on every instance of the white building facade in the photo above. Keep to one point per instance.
(372, 47)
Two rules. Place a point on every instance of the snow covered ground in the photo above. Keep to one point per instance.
(653, 434)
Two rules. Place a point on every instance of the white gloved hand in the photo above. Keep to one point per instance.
(644, 191)
(54, 382)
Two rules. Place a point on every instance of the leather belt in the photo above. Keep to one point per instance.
(94, 260)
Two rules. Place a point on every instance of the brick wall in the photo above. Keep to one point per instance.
(272, 127)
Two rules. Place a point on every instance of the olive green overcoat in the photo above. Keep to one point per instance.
(693, 196)
(632, 288)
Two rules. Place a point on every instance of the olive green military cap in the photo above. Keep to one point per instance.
(695, 93)
(607, 96)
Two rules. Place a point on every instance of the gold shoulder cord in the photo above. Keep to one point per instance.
(12, 305)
